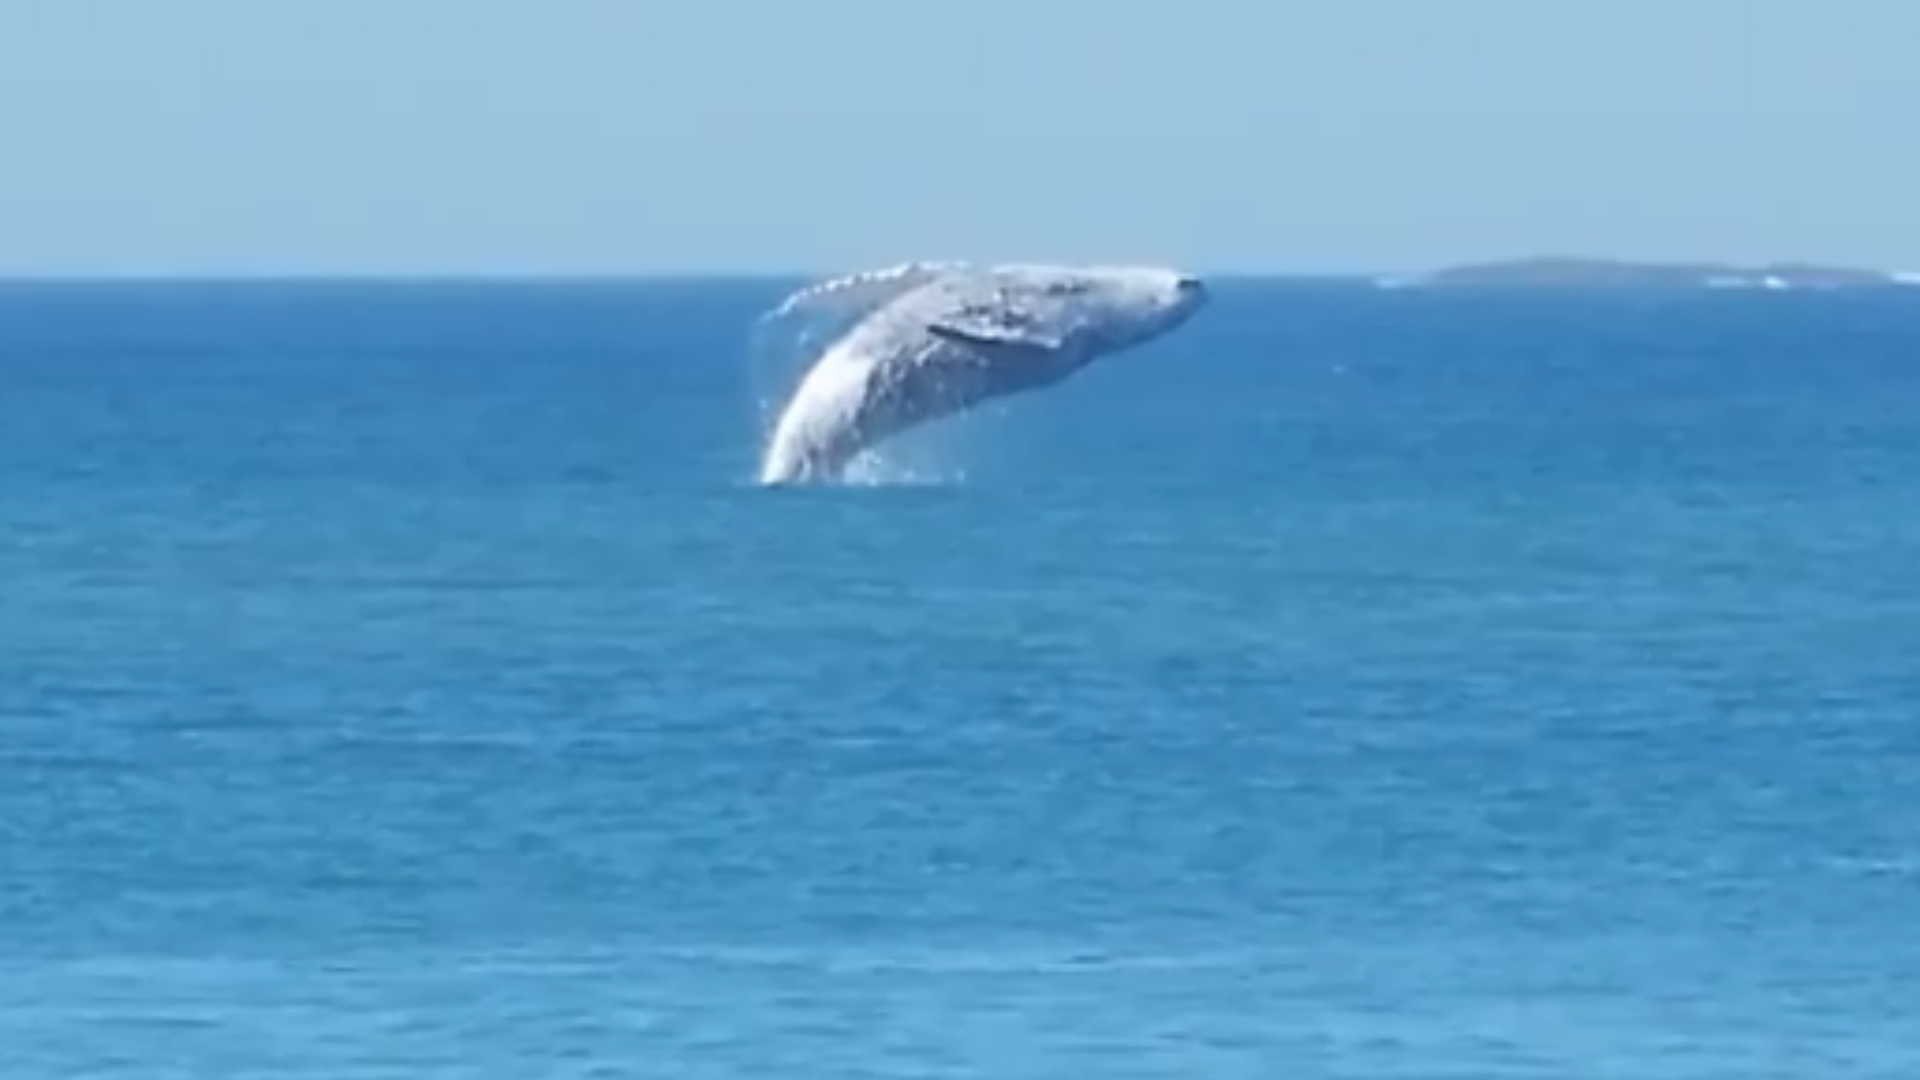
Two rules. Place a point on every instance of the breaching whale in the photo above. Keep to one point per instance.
(921, 341)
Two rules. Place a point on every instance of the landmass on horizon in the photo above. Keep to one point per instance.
(1588, 273)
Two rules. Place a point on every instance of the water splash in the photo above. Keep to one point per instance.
(899, 466)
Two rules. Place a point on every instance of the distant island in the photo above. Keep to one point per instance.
(1615, 274)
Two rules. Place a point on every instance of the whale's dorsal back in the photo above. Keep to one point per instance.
(852, 296)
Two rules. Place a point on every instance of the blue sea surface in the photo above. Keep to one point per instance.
(408, 680)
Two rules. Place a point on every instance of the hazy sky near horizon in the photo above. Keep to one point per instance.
(591, 136)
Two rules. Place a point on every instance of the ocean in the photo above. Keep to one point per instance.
(409, 680)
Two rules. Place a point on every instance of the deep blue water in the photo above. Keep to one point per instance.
(407, 681)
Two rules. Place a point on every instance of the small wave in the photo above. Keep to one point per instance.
(1882, 866)
(954, 960)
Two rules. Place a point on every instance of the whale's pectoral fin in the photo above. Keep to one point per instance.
(1006, 342)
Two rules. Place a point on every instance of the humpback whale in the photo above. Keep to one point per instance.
(921, 341)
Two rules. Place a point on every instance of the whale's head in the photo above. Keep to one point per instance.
(1106, 309)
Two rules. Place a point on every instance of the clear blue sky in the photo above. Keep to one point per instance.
(587, 136)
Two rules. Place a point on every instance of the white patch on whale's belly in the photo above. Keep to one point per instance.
(868, 391)
(813, 438)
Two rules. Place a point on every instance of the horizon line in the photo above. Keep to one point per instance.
(504, 276)
(557, 276)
